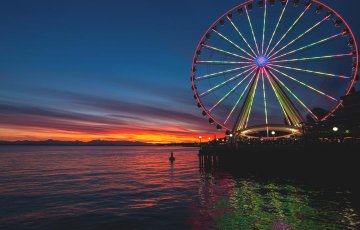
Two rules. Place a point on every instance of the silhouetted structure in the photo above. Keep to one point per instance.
(346, 121)
(172, 158)
(319, 112)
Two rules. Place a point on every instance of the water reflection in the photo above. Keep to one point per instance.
(231, 201)
(96, 187)
(138, 188)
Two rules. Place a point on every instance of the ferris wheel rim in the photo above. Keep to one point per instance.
(199, 47)
(194, 59)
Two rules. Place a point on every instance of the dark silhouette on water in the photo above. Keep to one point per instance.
(324, 165)
(327, 151)
(172, 158)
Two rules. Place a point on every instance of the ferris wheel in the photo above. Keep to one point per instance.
(273, 65)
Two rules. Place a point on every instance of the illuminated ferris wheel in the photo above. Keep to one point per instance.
(272, 65)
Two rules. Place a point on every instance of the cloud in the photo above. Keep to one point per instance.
(113, 117)
(133, 110)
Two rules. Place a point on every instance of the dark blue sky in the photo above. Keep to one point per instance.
(107, 63)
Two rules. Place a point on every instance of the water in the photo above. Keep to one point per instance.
(137, 188)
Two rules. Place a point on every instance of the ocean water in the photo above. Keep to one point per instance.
(44, 187)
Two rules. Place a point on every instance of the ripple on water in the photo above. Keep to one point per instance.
(137, 188)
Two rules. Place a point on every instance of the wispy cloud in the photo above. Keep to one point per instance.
(114, 118)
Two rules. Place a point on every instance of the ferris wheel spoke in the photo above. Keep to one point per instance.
(245, 112)
(311, 71)
(252, 30)
(264, 27)
(252, 101)
(231, 42)
(258, 73)
(278, 98)
(313, 58)
(221, 73)
(241, 35)
(264, 94)
(226, 52)
(223, 62)
(276, 27)
(304, 84)
(230, 92)
(301, 103)
(300, 36)
(290, 28)
(239, 99)
(225, 82)
(308, 46)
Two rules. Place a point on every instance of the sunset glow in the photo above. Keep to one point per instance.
(38, 134)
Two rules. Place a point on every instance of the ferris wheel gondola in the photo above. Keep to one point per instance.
(270, 63)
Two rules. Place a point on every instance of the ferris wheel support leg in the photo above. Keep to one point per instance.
(281, 84)
(265, 104)
(243, 117)
(231, 91)
(304, 84)
(239, 99)
(289, 107)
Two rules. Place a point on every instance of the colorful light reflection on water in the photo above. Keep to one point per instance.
(137, 188)
(252, 205)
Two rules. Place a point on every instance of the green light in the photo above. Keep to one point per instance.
(225, 82)
(313, 58)
(308, 46)
(252, 30)
(310, 71)
(252, 101)
(265, 106)
(226, 52)
(224, 62)
(278, 98)
(300, 36)
(294, 96)
(292, 26)
(302, 83)
(276, 27)
(243, 38)
(245, 111)
(286, 105)
(221, 72)
(266, 205)
(231, 42)
(241, 96)
(264, 26)
(231, 91)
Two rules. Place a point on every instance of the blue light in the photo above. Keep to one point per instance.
(261, 61)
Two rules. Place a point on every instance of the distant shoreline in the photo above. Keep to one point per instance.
(89, 143)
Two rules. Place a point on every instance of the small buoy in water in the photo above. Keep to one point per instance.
(172, 158)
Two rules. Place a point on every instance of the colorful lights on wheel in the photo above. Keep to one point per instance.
(228, 68)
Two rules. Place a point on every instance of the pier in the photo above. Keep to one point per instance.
(330, 163)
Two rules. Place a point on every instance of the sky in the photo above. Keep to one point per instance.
(111, 70)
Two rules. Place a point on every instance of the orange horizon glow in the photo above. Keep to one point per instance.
(153, 137)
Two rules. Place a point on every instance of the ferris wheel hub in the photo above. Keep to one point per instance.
(260, 66)
(261, 60)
